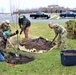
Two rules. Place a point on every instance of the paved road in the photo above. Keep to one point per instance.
(46, 20)
(14, 18)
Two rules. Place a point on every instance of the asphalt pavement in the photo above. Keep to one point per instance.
(14, 18)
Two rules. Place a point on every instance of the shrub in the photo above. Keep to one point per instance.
(71, 28)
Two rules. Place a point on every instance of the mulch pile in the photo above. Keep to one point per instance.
(12, 59)
(39, 44)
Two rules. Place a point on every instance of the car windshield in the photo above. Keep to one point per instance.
(68, 12)
(40, 12)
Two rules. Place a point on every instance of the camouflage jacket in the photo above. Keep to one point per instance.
(59, 29)
(2, 41)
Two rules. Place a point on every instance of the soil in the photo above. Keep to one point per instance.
(39, 44)
(70, 54)
(21, 59)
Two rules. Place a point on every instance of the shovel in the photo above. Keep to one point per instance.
(12, 54)
(52, 43)
(16, 52)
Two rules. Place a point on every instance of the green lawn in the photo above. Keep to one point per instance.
(48, 63)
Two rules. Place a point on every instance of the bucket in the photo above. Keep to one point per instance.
(68, 57)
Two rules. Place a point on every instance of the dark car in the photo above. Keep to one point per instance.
(68, 14)
(40, 15)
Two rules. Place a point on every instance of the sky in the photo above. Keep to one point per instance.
(10, 5)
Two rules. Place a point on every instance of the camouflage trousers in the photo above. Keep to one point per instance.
(62, 39)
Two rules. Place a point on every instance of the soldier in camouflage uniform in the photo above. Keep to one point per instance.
(3, 41)
(61, 32)
(5, 27)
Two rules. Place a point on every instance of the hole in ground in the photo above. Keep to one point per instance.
(22, 59)
(39, 44)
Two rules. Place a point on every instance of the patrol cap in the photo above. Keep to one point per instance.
(7, 21)
(50, 23)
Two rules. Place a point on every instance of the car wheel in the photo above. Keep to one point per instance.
(74, 16)
(46, 17)
(34, 17)
(62, 16)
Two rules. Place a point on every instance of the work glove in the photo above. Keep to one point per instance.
(53, 41)
(21, 32)
(17, 32)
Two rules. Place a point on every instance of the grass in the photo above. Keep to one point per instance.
(55, 17)
(48, 63)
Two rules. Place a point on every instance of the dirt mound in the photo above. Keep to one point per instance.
(12, 59)
(39, 44)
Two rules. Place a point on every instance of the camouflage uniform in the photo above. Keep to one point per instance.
(62, 34)
(2, 45)
(2, 40)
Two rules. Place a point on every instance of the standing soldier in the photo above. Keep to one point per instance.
(24, 25)
(61, 32)
(5, 27)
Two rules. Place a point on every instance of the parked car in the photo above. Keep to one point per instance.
(68, 14)
(40, 15)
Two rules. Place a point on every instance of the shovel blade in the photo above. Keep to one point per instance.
(17, 55)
